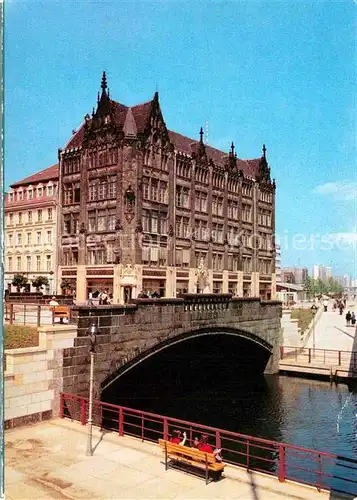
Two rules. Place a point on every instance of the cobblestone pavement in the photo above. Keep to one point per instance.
(48, 461)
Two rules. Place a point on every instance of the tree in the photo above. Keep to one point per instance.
(309, 287)
(39, 282)
(20, 281)
(65, 285)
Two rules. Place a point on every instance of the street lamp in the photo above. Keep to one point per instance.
(93, 331)
(314, 311)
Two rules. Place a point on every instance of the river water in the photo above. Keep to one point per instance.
(197, 386)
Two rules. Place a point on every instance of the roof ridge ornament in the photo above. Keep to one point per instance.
(104, 82)
(264, 151)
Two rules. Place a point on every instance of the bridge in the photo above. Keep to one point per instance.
(131, 333)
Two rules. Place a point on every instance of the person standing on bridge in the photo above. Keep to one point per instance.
(353, 319)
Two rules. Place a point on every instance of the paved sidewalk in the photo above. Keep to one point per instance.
(331, 331)
(47, 461)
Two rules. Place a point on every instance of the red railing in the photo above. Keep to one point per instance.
(320, 469)
(347, 359)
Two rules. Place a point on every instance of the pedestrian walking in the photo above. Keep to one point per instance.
(353, 319)
(348, 318)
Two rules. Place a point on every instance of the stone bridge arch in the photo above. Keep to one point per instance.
(182, 337)
(129, 333)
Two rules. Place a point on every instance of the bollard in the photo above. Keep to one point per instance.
(38, 315)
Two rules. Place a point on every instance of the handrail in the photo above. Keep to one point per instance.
(321, 469)
(327, 357)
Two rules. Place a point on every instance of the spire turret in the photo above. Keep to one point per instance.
(201, 135)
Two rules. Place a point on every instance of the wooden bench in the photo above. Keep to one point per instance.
(60, 312)
(175, 453)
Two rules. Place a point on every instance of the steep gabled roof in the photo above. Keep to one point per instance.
(184, 145)
(48, 174)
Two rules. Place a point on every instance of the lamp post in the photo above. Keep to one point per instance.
(314, 311)
(92, 333)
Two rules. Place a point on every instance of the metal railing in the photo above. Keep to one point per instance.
(347, 359)
(34, 314)
(287, 462)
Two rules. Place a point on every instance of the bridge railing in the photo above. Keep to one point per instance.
(34, 314)
(346, 359)
(286, 462)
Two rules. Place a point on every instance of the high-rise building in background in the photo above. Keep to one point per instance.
(322, 272)
(295, 275)
(30, 229)
(146, 208)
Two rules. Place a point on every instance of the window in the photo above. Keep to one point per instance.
(111, 221)
(146, 221)
(91, 222)
(112, 187)
(200, 257)
(29, 236)
(217, 261)
(30, 194)
(38, 262)
(67, 224)
(20, 217)
(77, 192)
(67, 194)
(11, 196)
(102, 190)
(38, 237)
(145, 188)
(29, 217)
(19, 238)
(49, 236)
(101, 220)
(39, 192)
(75, 223)
(49, 214)
(163, 192)
(18, 263)
(49, 190)
(20, 195)
(92, 191)
(110, 252)
(182, 197)
(28, 263)
(9, 239)
(163, 223)
(154, 190)
(9, 261)
(11, 218)
(154, 222)
(48, 263)
(201, 201)
(39, 215)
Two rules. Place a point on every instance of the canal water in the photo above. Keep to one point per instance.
(192, 383)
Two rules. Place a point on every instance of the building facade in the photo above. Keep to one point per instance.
(144, 208)
(295, 275)
(321, 272)
(30, 229)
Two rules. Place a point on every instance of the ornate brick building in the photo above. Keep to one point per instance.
(146, 208)
(30, 229)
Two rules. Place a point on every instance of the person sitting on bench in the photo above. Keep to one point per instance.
(178, 437)
(203, 445)
(53, 302)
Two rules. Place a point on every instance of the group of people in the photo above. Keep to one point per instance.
(350, 318)
(103, 296)
(148, 295)
(201, 444)
(340, 305)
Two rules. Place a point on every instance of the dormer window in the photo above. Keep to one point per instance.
(49, 190)
(11, 196)
(20, 195)
(39, 192)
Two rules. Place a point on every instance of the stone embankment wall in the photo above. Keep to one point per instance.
(34, 377)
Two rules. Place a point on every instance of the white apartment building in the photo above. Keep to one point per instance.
(30, 229)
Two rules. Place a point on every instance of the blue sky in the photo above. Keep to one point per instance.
(279, 73)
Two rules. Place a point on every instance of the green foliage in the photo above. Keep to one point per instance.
(40, 282)
(314, 287)
(304, 317)
(66, 285)
(19, 281)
